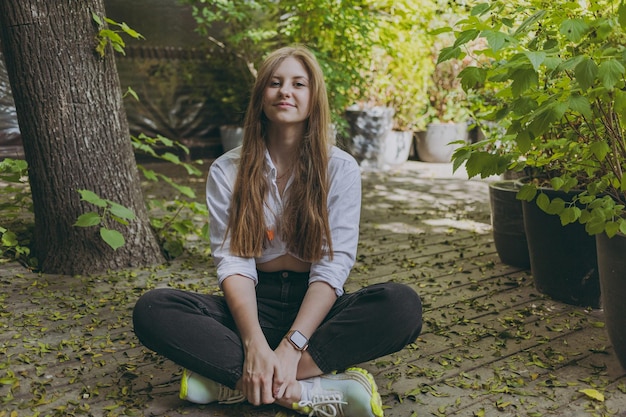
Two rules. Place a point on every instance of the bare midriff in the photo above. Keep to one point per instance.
(284, 263)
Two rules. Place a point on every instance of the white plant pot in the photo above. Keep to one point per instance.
(434, 144)
(396, 148)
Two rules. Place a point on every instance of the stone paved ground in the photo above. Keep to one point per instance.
(491, 345)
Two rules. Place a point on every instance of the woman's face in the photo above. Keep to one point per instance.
(286, 99)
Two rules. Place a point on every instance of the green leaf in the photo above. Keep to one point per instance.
(131, 92)
(88, 219)
(96, 18)
(523, 79)
(130, 32)
(113, 238)
(183, 189)
(527, 192)
(495, 39)
(523, 105)
(149, 174)
(594, 226)
(93, 198)
(610, 73)
(543, 202)
(551, 113)
(593, 394)
(557, 183)
(480, 9)
(170, 157)
(536, 58)
(192, 170)
(523, 141)
(586, 72)
(526, 25)
(165, 141)
(9, 239)
(112, 36)
(569, 215)
(611, 229)
(121, 211)
(486, 164)
(600, 150)
(579, 104)
(449, 52)
(621, 15)
(574, 29)
(465, 36)
(556, 206)
(459, 156)
(119, 48)
(472, 77)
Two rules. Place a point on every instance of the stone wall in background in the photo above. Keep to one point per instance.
(168, 71)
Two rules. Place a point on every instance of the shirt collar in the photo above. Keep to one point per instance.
(270, 164)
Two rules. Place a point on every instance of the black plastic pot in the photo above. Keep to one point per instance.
(563, 259)
(612, 267)
(507, 222)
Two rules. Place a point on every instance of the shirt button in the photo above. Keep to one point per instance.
(285, 274)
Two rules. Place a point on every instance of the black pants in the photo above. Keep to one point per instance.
(198, 332)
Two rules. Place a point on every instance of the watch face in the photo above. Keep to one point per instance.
(298, 339)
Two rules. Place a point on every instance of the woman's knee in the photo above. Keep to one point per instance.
(402, 297)
(403, 305)
(148, 307)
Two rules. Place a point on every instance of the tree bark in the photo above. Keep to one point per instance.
(75, 134)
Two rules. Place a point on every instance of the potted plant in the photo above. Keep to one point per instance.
(396, 74)
(560, 71)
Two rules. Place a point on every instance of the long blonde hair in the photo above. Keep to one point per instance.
(304, 226)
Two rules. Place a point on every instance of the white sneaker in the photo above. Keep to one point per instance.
(352, 393)
(200, 390)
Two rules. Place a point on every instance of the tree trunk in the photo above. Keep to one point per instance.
(75, 134)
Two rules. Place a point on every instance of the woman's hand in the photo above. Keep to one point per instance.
(288, 358)
(261, 368)
(261, 365)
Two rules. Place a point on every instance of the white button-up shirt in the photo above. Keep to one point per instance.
(344, 209)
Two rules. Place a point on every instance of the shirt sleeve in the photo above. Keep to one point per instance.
(219, 189)
(344, 211)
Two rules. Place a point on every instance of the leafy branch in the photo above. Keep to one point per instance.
(175, 219)
(16, 202)
(109, 210)
(108, 36)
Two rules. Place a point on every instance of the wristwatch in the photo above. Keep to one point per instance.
(298, 340)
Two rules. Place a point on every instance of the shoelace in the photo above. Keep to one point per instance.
(325, 405)
(230, 396)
